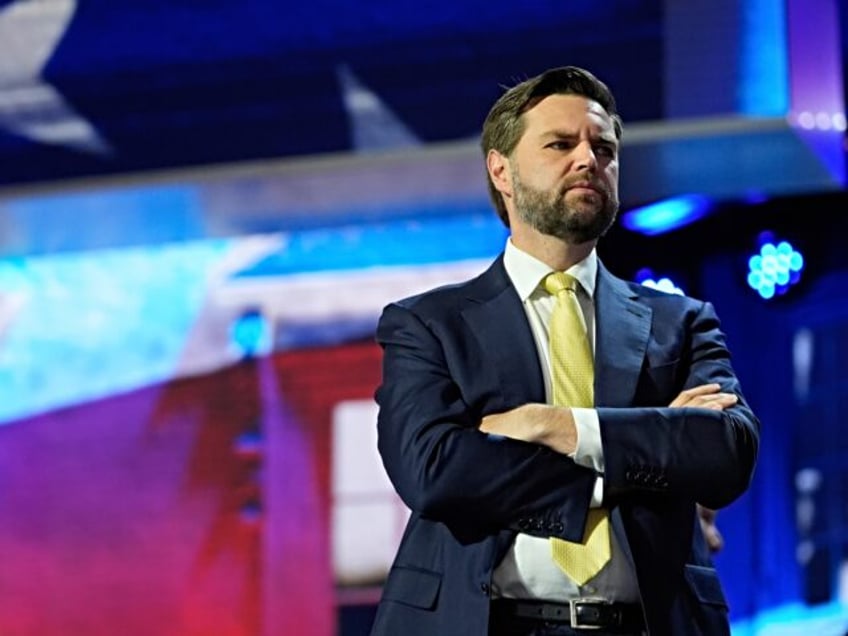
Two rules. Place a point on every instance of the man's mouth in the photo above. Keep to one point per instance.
(585, 185)
(585, 188)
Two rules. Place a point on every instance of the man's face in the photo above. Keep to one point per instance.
(565, 169)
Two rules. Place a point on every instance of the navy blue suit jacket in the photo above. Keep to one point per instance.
(458, 353)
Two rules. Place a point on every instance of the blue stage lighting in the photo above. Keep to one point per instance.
(667, 215)
(646, 277)
(775, 268)
(250, 333)
(249, 444)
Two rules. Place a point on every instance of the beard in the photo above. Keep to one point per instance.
(585, 218)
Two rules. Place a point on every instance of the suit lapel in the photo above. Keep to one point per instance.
(496, 317)
(623, 326)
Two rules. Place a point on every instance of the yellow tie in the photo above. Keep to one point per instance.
(573, 375)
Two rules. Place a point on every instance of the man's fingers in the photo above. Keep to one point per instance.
(488, 423)
(701, 389)
(707, 517)
(717, 402)
(689, 394)
(705, 396)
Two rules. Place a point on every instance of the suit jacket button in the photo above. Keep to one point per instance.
(484, 587)
(557, 527)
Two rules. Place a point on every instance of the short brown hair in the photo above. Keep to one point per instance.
(504, 124)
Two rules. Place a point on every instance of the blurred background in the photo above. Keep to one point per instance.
(205, 205)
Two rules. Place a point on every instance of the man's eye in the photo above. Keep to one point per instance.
(559, 145)
(605, 151)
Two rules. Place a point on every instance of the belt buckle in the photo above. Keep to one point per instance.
(574, 603)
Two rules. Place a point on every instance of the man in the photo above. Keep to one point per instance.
(507, 473)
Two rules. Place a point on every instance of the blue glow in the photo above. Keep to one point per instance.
(249, 444)
(79, 327)
(401, 242)
(667, 215)
(795, 619)
(120, 217)
(775, 268)
(663, 284)
(646, 277)
(763, 85)
(250, 333)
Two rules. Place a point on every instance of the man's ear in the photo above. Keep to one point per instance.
(500, 172)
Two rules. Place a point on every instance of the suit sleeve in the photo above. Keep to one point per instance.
(707, 456)
(443, 467)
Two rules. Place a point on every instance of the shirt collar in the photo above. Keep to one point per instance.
(526, 271)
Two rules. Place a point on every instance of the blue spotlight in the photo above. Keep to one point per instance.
(646, 277)
(775, 268)
(667, 215)
(250, 333)
(249, 444)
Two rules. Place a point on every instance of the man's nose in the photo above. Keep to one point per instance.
(584, 156)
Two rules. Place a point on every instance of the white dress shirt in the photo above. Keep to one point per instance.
(528, 571)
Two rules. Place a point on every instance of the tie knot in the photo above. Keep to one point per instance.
(557, 282)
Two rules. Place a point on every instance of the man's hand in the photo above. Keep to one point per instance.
(707, 517)
(550, 426)
(705, 396)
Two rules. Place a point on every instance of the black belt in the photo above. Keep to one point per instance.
(585, 613)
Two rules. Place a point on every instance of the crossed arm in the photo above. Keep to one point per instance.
(554, 427)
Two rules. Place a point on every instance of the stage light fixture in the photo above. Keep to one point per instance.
(646, 277)
(249, 333)
(669, 214)
(775, 268)
(822, 120)
(249, 445)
